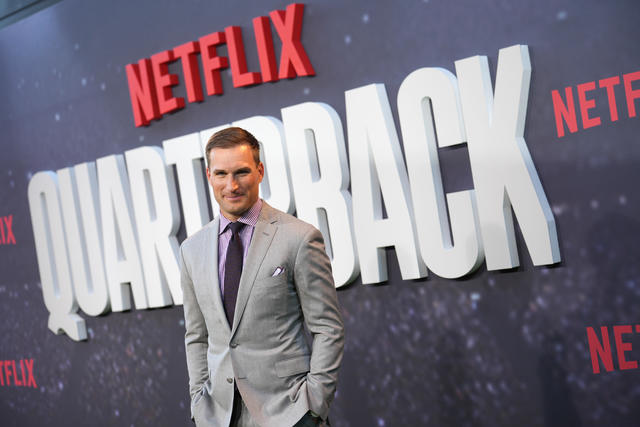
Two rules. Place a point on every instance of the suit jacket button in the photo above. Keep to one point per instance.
(234, 344)
(230, 380)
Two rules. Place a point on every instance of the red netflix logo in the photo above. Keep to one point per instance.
(565, 108)
(150, 82)
(6, 230)
(19, 374)
(600, 348)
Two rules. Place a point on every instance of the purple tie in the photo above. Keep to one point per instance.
(233, 270)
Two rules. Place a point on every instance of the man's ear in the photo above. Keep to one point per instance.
(261, 170)
(209, 176)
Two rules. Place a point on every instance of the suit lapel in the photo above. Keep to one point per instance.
(212, 292)
(260, 242)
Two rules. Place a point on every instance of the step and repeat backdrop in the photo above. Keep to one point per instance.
(473, 166)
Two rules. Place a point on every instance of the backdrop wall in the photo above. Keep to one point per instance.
(549, 340)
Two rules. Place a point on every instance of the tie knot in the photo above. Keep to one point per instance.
(236, 227)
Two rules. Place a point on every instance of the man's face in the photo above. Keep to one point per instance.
(235, 179)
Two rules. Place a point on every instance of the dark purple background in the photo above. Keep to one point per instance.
(494, 349)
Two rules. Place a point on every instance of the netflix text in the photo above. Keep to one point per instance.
(18, 373)
(600, 347)
(150, 82)
(565, 108)
(6, 230)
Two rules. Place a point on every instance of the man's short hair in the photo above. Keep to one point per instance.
(233, 137)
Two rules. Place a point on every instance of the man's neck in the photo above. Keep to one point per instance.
(251, 212)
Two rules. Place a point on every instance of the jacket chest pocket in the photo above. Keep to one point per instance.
(268, 282)
(269, 296)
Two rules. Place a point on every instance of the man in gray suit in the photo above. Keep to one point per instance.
(252, 278)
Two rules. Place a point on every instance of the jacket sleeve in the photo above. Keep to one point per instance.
(196, 335)
(319, 301)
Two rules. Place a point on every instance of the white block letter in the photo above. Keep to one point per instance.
(53, 261)
(377, 169)
(426, 96)
(503, 172)
(320, 177)
(79, 195)
(186, 154)
(122, 259)
(155, 204)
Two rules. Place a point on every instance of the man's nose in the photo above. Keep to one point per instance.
(232, 183)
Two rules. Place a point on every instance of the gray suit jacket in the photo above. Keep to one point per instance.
(265, 352)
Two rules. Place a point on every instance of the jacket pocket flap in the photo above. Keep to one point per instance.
(296, 365)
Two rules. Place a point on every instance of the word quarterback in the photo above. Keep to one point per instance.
(105, 231)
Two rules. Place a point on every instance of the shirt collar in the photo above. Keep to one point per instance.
(250, 217)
